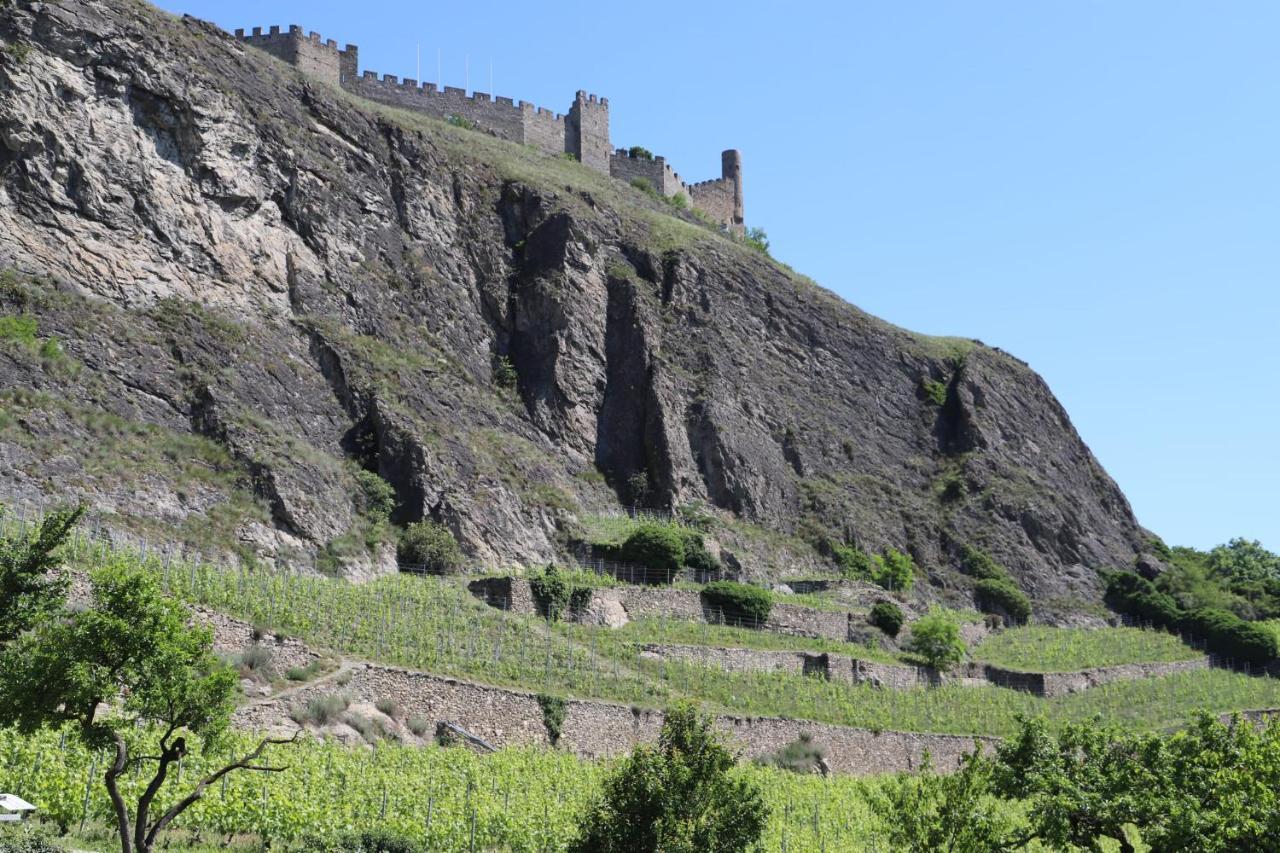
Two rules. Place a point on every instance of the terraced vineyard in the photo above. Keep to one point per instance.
(1042, 649)
(433, 624)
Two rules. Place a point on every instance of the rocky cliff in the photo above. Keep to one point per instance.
(229, 289)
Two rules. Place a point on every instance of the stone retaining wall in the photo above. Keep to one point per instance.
(232, 636)
(837, 667)
(594, 729)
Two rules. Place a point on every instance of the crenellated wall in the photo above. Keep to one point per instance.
(582, 132)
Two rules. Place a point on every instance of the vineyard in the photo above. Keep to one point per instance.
(433, 624)
(449, 799)
(1038, 648)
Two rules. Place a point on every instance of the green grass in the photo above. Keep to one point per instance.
(1042, 649)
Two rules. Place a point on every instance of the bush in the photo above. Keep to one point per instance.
(855, 564)
(659, 547)
(758, 240)
(681, 796)
(430, 544)
(696, 556)
(1230, 636)
(1135, 596)
(390, 707)
(936, 638)
(977, 564)
(27, 838)
(419, 725)
(997, 595)
(887, 616)
(639, 152)
(894, 571)
(644, 185)
(553, 711)
(254, 660)
(799, 756)
(934, 391)
(557, 594)
(377, 497)
(321, 710)
(368, 841)
(739, 603)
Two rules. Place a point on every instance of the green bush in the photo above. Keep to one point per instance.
(935, 392)
(887, 616)
(680, 796)
(659, 547)
(758, 240)
(553, 712)
(644, 185)
(739, 603)
(321, 710)
(556, 593)
(1135, 596)
(368, 841)
(430, 544)
(976, 563)
(21, 329)
(697, 557)
(1228, 635)
(936, 638)
(855, 564)
(998, 595)
(894, 571)
(640, 152)
(801, 755)
(377, 497)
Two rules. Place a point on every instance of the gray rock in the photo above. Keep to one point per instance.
(1150, 566)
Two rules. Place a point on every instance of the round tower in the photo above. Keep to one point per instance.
(731, 170)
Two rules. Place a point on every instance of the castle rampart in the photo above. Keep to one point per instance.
(582, 132)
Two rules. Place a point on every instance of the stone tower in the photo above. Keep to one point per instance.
(586, 131)
(731, 171)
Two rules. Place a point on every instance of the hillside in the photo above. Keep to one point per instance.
(231, 288)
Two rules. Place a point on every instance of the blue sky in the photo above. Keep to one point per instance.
(1093, 186)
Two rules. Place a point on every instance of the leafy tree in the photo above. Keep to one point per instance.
(1213, 787)
(855, 564)
(757, 239)
(936, 638)
(377, 497)
(128, 663)
(430, 544)
(999, 595)
(681, 796)
(32, 587)
(1242, 560)
(949, 812)
(895, 571)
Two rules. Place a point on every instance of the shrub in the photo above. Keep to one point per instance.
(640, 152)
(390, 707)
(377, 497)
(368, 841)
(557, 594)
(21, 329)
(739, 603)
(758, 240)
(504, 373)
(656, 546)
(419, 725)
(644, 185)
(553, 711)
(935, 392)
(977, 564)
(1230, 636)
(254, 660)
(430, 544)
(27, 838)
(855, 564)
(370, 729)
(682, 796)
(799, 756)
(1136, 596)
(462, 122)
(894, 571)
(696, 556)
(998, 595)
(321, 710)
(936, 638)
(887, 616)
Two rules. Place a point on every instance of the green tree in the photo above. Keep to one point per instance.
(430, 544)
(936, 638)
(1242, 560)
(657, 546)
(1213, 787)
(32, 585)
(127, 664)
(945, 812)
(681, 796)
(895, 571)
(886, 616)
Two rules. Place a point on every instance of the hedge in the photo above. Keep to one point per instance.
(739, 603)
(1000, 595)
(887, 616)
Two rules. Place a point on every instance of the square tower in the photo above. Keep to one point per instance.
(586, 131)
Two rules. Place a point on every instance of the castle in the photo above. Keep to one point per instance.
(582, 132)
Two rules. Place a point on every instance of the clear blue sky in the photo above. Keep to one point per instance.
(1093, 186)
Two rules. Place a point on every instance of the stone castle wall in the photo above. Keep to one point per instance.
(583, 131)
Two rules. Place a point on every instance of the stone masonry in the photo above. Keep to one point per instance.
(583, 132)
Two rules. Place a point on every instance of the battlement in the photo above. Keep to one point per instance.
(583, 131)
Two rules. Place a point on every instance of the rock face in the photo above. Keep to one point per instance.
(247, 287)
